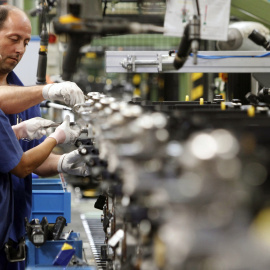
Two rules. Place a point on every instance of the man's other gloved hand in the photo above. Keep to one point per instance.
(73, 163)
(69, 92)
(31, 129)
(65, 134)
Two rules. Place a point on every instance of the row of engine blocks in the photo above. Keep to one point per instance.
(183, 185)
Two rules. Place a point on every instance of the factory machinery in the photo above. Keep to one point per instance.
(183, 185)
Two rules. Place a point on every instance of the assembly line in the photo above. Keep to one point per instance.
(121, 156)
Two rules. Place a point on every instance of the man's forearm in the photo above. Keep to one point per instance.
(49, 166)
(34, 157)
(15, 99)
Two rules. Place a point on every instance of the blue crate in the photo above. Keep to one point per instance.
(51, 204)
(45, 254)
(50, 199)
(47, 184)
(60, 267)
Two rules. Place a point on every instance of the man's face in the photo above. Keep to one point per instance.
(14, 37)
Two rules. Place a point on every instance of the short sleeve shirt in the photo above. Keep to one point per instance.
(10, 155)
(22, 187)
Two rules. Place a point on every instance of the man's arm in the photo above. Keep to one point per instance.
(71, 163)
(15, 99)
(62, 134)
(32, 158)
(49, 166)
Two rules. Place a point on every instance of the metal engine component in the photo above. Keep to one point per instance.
(181, 188)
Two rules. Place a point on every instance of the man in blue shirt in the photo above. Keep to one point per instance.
(21, 103)
(19, 163)
(10, 155)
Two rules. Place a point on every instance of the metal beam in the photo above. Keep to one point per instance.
(160, 62)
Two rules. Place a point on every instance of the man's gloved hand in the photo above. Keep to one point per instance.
(73, 163)
(31, 129)
(69, 92)
(65, 134)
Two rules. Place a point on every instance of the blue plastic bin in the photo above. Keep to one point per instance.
(50, 199)
(45, 255)
(47, 184)
(51, 204)
(60, 267)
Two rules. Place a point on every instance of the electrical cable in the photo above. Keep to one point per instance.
(105, 8)
(43, 49)
(230, 56)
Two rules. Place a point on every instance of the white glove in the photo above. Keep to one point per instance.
(65, 134)
(73, 163)
(69, 92)
(33, 128)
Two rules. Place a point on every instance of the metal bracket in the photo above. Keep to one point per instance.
(130, 63)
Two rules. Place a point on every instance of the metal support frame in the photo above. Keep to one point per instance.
(162, 62)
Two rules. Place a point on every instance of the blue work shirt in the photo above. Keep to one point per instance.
(22, 187)
(10, 155)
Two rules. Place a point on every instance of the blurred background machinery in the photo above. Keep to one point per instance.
(181, 184)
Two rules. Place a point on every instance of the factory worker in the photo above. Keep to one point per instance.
(14, 160)
(21, 103)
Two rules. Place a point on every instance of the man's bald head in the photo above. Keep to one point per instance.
(15, 34)
(5, 12)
